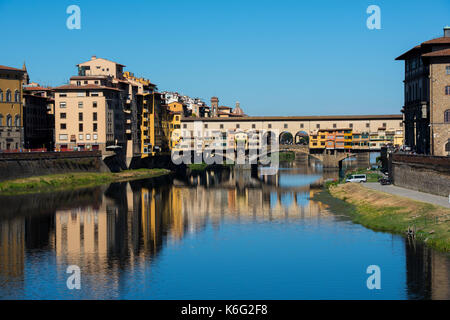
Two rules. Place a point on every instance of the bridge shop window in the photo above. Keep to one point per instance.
(269, 126)
(184, 126)
(447, 116)
(221, 126)
(238, 126)
(285, 125)
(301, 125)
(253, 126)
(318, 126)
(367, 125)
(350, 125)
(334, 125)
(206, 126)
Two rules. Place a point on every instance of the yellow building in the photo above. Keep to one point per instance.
(11, 108)
(152, 116)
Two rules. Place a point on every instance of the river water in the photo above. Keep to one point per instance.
(217, 235)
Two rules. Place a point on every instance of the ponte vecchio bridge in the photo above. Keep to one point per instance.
(307, 127)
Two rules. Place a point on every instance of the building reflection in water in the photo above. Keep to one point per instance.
(125, 227)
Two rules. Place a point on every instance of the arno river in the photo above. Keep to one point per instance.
(220, 235)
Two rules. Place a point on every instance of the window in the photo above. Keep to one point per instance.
(94, 104)
(350, 125)
(367, 125)
(253, 126)
(94, 94)
(318, 126)
(88, 137)
(447, 90)
(17, 120)
(447, 70)
(447, 116)
(63, 137)
(334, 125)
(80, 127)
(80, 104)
(269, 126)
(80, 137)
(62, 105)
(384, 124)
(221, 126)
(62, 115)
(285, 125)
(301, 126)
(78, 83)
(85, 82)
(94, 136)
(63, 95)
(8, 95)
(401, 124)
(206, 126)
(238, 126)
(1, 120)
(94, 128)
(94, 116)
(63, 126)
(184, 126)
(9, 120)
(17, 96)
(1, 95)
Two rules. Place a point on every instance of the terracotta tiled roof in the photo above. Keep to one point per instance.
(87, 86)
(441, 40)
(37, 89)
(438, 53)
(310, 118)
(10, 69)
(425, 46)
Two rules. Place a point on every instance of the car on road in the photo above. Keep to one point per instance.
(358, 178)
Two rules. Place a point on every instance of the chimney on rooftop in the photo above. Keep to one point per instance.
(447, 31)
(93, 57)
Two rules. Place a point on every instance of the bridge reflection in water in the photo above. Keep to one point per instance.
(111, 231)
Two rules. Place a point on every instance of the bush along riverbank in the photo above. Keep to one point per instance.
(66, 181)
(384, 212)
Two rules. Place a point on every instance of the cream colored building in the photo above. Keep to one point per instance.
(88, 114)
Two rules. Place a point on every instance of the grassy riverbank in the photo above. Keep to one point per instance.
(384, 212)
(66, 181)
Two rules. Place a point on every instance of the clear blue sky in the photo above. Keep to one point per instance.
(285, 57)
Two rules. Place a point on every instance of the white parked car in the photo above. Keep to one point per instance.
(358, 178)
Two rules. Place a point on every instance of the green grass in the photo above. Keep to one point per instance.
(284, 156)
(55, 182)
(198, 166)
(365, 207)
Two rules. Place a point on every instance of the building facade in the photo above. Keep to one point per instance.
(427, 96)
(11, 108)
(38, 118)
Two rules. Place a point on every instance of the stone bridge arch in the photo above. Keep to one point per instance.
(286, 137)
(301, 138)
